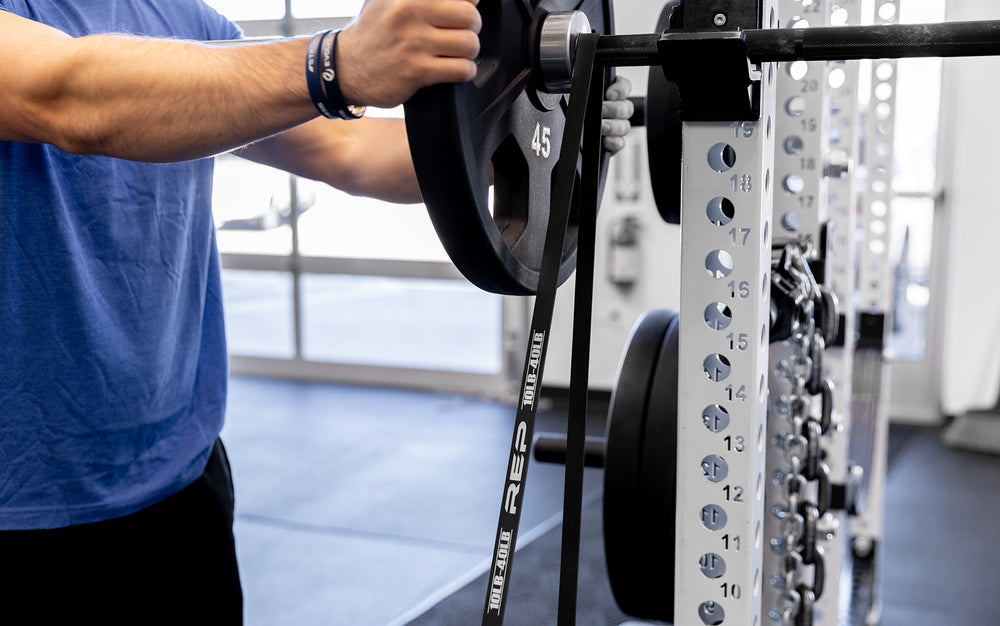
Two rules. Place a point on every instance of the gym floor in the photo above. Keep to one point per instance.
(364, 506)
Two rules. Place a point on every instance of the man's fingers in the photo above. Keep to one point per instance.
(619, 89)
(613, 144)
(617, 109)
(615, 128)
(460, 14)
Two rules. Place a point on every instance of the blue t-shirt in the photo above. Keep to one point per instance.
(113, 362)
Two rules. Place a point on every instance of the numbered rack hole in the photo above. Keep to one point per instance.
(793, 145)
(837, 78)
(791, 222)
(714, 468)
(711, 613)
(721, 157)
(798, 69)
(712, 565)
(795, 106)
(716, 367)
(719, 264)
(720, 210)
(887, 11)
(718, 316)
(713, 517)
(793, 184)
(715, 418)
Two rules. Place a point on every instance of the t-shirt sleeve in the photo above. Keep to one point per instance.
(218, 26)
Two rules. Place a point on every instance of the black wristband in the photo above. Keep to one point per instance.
(331, 83)
(313, 80)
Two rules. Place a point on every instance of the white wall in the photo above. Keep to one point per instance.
(970, 171)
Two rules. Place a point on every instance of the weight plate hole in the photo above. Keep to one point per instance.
(720, 211)
(722, 157)
(839, 17)
(887, 11)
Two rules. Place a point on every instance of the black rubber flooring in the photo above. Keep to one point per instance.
(941, 562)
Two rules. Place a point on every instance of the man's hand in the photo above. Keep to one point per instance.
(616, 111)
(398, 46)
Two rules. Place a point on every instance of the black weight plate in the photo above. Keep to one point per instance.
(639, 470)
(663, 134)
(503, 118)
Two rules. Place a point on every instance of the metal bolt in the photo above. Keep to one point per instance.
(720, 19)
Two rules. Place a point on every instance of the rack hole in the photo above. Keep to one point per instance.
(715, 418)
(718, 316)
(793, 145)
(720, 210)
(887, 11)
(719, 264)
(793, 183)
(798, 69)
(717, 367)
(883, 91)
(795, 106)
(837, 78)
(884, 71)
(722, 157)
(791, 222)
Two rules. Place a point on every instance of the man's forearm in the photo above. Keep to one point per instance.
(97, 95)
(368, 157)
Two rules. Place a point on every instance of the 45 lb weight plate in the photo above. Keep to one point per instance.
(503, 125)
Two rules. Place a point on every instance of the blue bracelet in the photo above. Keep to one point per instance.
(313, 78)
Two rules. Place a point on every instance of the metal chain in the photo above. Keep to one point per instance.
(801, 443)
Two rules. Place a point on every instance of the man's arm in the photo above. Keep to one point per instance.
(371, 157)
(155, 100)
(366, 157)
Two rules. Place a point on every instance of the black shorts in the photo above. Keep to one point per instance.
(172, 563)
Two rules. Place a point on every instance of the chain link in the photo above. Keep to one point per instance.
(801, 446)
